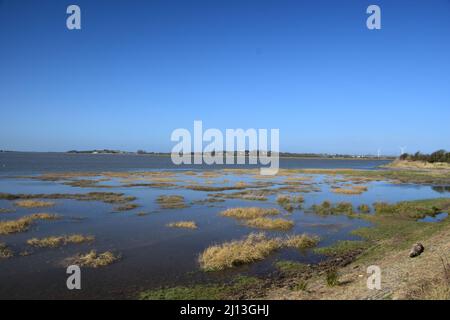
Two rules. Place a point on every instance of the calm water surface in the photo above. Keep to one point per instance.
(154, 255)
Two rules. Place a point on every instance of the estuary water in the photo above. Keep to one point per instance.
(152, 254)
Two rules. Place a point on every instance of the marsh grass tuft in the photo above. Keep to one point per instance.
(269, 224)
(326, 208)
(22, 224)
(289, 203)
(354, 190)
(126, 207)
(249, 212)
(5, 252)
(255, 247)
(302, 241)
(171, 202)
(183, 224)
(332, 278)
(255, 195)
(363, 208)
(93, 259)
(34, 204)
(3, 210)
(412, 209)
(57, 241)
(301, 285)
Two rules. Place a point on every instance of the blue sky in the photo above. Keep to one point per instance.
(140, 69)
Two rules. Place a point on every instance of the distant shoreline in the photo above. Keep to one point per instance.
(164, 154)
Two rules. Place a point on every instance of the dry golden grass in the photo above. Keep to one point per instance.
(171, 202)
(126, 207)
(282, 198)
(270, 224)
(22, 224)
(107, 197)
(211, 174)
(249, 212)
(94, 260)
(53, 242)
(302, 241)
(183, 224)
(352, 191)
(255, 247)
(5, 252)
(34, 204)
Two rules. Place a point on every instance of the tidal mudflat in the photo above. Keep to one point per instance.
(166, 233)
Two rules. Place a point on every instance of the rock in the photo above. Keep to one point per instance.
(416, 250)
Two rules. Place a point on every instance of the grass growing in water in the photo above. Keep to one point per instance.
(107, 197)
(126, 207)
(171, 202)
(53, 242)
(302, 241)
(249, 213)
(326, 208)
(255, 247)
(363, 208)
(94, 260)
(5, 252)
(34, 204)
(289, 203)
(353, 190)
(412, 209)
(269, 224)
(22, 224)
(183, 224)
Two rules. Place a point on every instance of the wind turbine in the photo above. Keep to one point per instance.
(402, 150)
(379, 153)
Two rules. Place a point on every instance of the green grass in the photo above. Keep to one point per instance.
(332, 278)
(395, 226)
(288, 266)
(93, 259)
(327, 208)
(58, 241)
(342, 247)
(200, 291)
(269, 224)
(289, 203)
(301, 285)
(412, 209)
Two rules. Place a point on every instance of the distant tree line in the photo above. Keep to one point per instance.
(437, 156)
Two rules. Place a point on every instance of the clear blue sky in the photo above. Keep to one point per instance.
(139, 69)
